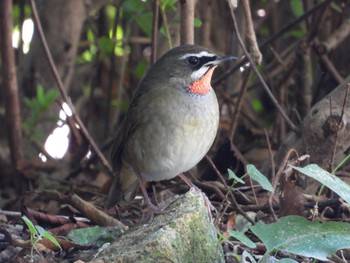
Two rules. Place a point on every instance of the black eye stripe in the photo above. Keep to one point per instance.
(202, 60)
(207, 59)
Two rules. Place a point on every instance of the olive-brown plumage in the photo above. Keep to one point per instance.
(171, 123)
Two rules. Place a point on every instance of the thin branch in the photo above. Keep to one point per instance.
(13, 114)
(116, 22)
(238, 104)
(166, 26)
(10, 90)
(270, 40)
(62, 91)
(233, 198)
(250, 33)
(272, 162)
(337, 37)
(154, 31)
(88, 210)
(267, 90)
(187, 21)
(330, 66)
(207, 21)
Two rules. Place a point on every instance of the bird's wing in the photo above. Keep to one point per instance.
(133, 118)
(125, 183)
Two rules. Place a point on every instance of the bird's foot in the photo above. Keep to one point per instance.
(151, 211)
(155, 209)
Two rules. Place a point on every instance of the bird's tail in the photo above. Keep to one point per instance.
(123, 189)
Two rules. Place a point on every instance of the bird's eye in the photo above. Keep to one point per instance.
(193, 61)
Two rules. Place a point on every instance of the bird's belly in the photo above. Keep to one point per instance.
(169, 145)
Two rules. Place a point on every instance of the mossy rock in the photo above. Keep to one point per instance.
(184, 234)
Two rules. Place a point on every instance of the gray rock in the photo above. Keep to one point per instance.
(183, 234)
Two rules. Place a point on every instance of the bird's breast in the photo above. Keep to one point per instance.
(176, 132)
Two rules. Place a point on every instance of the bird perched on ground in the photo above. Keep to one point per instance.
(170, 125)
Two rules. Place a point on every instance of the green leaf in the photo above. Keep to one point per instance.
(144, 21)
(40, 96)
(28, 102)
(259, 177)
(242, 224)
(140, 69)
(242, 238)
(257, 105)
(264, 31)
(90, 35)
(294, 234)
(331, 181)
(197, 22)
(41, 230)
(163, 31)
(51, 96)
(111, 12)
(297, 33)
(270, 259)
(131, 7)
(337, 7)
(44, 234)
(86, 56)
(50, 237)
(297, 7)
(106, 45)
(245, 255)
(287, 260)
(168, 4)
(233, 176)
(30, 225)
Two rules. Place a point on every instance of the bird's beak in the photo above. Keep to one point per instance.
(220, 59)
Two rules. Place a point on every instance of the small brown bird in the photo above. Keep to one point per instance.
(171, 123)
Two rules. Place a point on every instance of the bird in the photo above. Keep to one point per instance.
(171, 123)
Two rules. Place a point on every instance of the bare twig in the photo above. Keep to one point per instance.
(250, 33)
(233, 199)
(337, 37)
(207, 13)
(10, 89)
(107, 114)
(154, 31)
(302, 78)
(277, 178)
(273, 172)
(238, 104)
(331, 68)
(13, 114)
(95, 215)
(339, 124)
(187, 21)
(344, 102)
(238, 154)
(267, 90)
(270, 40)
(122, 70)
(62, 91)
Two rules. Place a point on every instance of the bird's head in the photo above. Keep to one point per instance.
(189, 67)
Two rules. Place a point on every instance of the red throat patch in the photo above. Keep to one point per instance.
(202, 86)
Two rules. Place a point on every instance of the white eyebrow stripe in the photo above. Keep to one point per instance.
(200, 54)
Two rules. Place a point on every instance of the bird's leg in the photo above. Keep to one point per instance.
(186, 180)
(151, 207)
